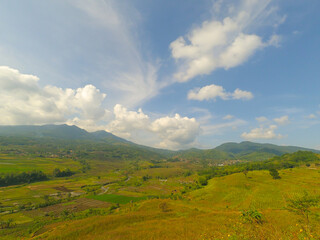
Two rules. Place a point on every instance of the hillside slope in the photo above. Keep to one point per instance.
(213, 212)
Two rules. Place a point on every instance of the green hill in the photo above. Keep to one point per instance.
(63, 137)
(258, 151)
(212, 212)
(207, 154)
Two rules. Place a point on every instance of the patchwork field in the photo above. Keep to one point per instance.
(13, 164)
(122, 212)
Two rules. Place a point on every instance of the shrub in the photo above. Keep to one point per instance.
(274, 173)
(7, 224)
(252, 216)
(302, 205)
(164, 207)
(203, 181)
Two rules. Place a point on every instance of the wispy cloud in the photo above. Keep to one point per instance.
(282, 120)
(219, 128)
(124, 69)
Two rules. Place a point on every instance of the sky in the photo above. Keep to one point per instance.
(168, 74)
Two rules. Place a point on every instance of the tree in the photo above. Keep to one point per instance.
(56, 172)
(245, 172)
(302, 205)
(274, 173)
(203, 181)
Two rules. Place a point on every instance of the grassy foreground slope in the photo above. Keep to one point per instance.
(212, 212)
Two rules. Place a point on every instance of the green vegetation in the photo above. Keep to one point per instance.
(65, 173)
(6, 224)
(113, 198)
(24, 177)
(283, 162)
(274, 173)
(252, 216)
(302, 205)
(98, 186)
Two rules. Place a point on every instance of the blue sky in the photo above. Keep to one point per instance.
(169, 74)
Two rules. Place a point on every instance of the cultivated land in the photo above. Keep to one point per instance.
(117, 190)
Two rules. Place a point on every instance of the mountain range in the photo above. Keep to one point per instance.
(71, 135)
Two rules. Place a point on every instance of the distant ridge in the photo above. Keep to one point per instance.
(246, 147)
(248, 151)
(59, 132)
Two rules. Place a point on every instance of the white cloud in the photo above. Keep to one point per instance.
(228, 117)
(262, 133)
(282, 120)
(24, 101)
(261, 119)
(240, 94)
(311, 116)
(240, 50)
(213, 91)
(208, 92)
(173, 132)
(125, 122)
(221, 127)
(123, 70)
(176, 131)
(222, 44)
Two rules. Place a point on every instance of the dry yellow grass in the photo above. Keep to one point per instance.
(209, 213)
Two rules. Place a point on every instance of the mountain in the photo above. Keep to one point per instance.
(258, 151)
(206, 154)
(64, 136)
(247, 151)
(57, 132)
(60, 139)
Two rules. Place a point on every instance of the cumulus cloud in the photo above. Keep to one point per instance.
(262, 133)
(24, 101)
(282, 120)
(222, 44)
(214, 91)
(127, 121)
(240, 94)
(172, 132)
(176, 131)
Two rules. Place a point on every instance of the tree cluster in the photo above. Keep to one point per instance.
(279, 162)
(24, 177)
(65, 173)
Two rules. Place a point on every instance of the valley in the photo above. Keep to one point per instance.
(114, 189)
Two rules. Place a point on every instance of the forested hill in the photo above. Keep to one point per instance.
(247, 151)
(72, 141)
(59, 132)
(62, 138)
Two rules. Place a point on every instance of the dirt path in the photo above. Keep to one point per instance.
(104, 190)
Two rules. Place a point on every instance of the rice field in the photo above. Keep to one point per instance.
(114, 198)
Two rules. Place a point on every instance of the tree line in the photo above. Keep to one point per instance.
(33, 176)
(279, 162)
(24, 177)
